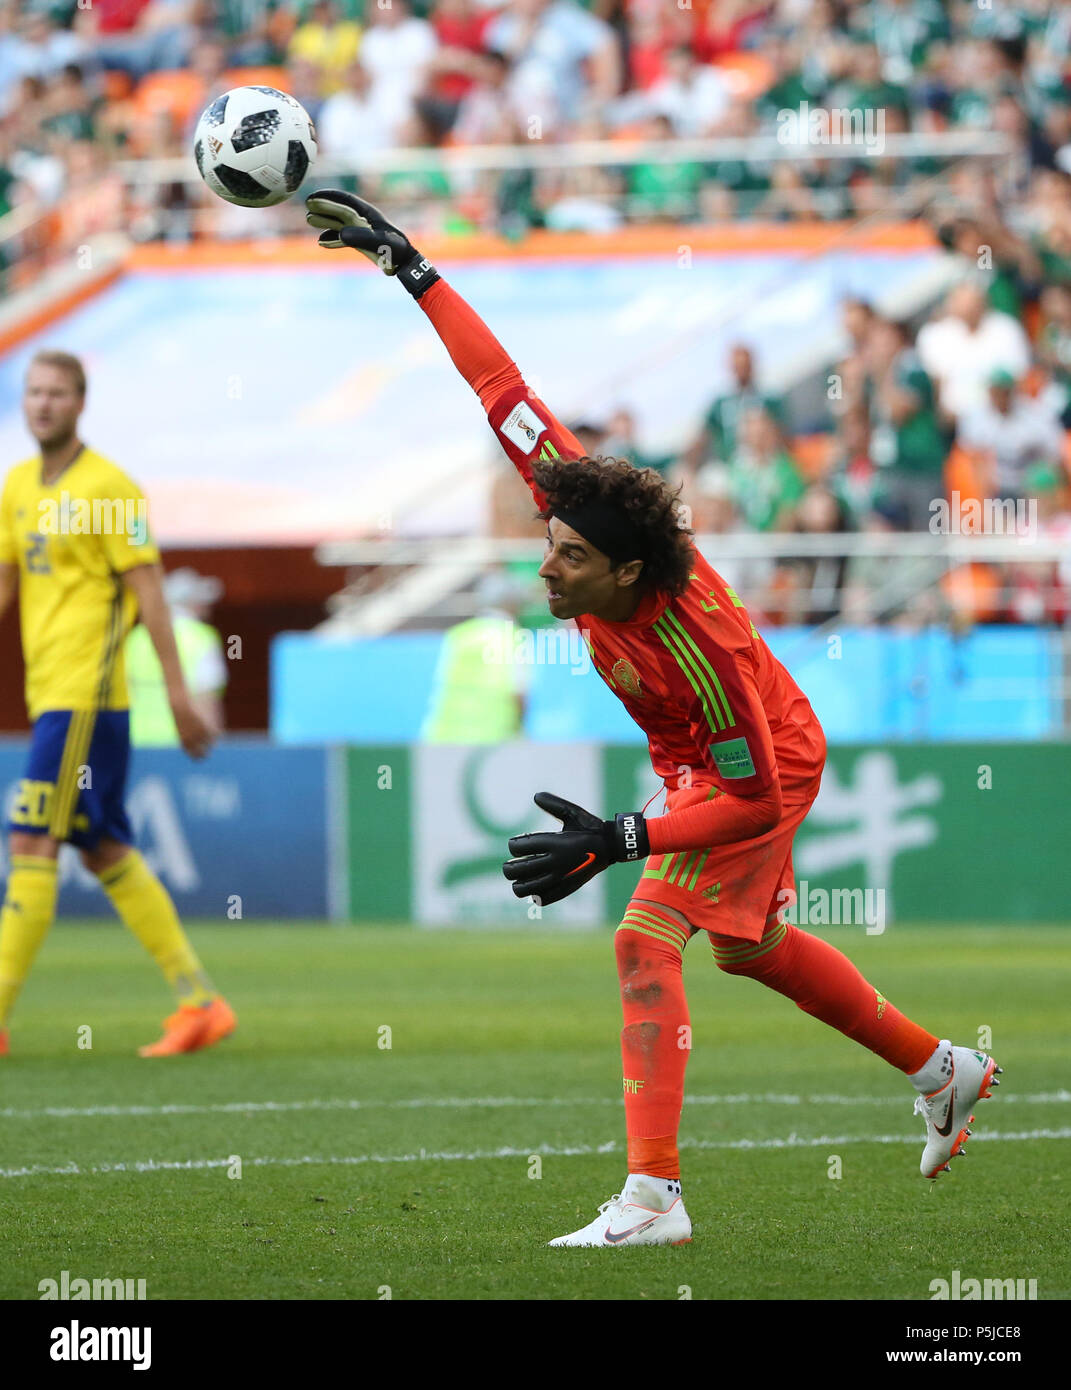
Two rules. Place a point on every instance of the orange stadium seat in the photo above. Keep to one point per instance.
(748, 74)
(116, 85)
(254, 77)
(1032, 320)
(813, 453)
(963, 474)
(974, 592)
(179, 93)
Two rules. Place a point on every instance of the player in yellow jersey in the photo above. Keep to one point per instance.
(74, 541)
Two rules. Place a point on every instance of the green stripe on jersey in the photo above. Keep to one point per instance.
(701, 660)
(696, 678)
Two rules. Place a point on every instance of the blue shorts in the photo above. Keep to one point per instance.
(75, 779)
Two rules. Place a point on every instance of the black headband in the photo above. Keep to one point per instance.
(607, 530)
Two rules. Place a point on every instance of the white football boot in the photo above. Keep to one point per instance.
(949, 1110)
(649, 1212)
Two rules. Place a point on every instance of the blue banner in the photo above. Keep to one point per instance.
(865, 684)
(241, 836)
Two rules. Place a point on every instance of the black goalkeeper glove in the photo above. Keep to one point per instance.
(351, 221)
(551, 865)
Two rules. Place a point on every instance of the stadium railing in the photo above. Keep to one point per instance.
(164, 198)
(569, 170)
(958, 636)
(1018, 578)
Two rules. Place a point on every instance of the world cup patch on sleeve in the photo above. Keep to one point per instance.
(522, 426)
(733, 758)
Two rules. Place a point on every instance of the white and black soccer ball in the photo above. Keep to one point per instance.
(254, 146)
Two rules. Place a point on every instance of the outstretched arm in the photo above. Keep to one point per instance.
(524, 426)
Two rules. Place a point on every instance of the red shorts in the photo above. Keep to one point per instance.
(730, 890)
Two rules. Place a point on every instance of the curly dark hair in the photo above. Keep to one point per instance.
(644, 497)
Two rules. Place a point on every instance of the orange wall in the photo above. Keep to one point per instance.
(266, 590)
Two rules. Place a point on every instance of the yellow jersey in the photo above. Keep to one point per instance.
(73, 540)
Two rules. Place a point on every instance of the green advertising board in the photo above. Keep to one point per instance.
(376, 838)
(951, 832)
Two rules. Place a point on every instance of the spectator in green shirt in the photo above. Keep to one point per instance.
(907, 442)
(1054, 344)
(664, 190)
(1053, 248)
(7, 183)
(864, 88)
(717, 437)
(735, 187)
(988, 71)
(71, 107)
(620, 441)
(1002, 263)
(903, 31)
(792, 84)
(765, 482)
(853, 478)
(252, 30)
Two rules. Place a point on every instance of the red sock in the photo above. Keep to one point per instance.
(825, 983)
(656, 1038)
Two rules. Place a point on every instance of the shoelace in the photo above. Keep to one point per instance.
(615, 1202)
(924, 1107)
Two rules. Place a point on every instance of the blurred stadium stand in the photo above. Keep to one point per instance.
(624, 189)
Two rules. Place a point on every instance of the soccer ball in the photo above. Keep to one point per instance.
(254, 146)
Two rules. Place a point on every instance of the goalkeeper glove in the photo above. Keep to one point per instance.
(351, 221)
(550, 866)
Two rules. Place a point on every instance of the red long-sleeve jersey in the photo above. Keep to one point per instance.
(718, 709)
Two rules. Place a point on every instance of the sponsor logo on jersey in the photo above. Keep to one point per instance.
(733, 758)
(522, 426)
(625, 674)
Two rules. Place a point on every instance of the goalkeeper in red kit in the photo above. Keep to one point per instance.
(732, 737)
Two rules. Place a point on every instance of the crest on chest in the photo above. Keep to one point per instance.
(626, 676)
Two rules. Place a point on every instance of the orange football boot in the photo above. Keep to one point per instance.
(192, 1027)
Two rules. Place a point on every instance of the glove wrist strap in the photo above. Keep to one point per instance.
(417, 275)
(630, 836)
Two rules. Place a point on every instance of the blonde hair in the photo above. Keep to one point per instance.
(66, 362)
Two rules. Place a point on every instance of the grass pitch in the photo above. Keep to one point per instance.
(438, 1166)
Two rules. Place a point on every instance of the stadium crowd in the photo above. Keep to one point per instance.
(973, 397)
(82, 84)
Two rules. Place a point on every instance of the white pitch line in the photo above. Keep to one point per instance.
(267, 1107)
(791, 1141)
